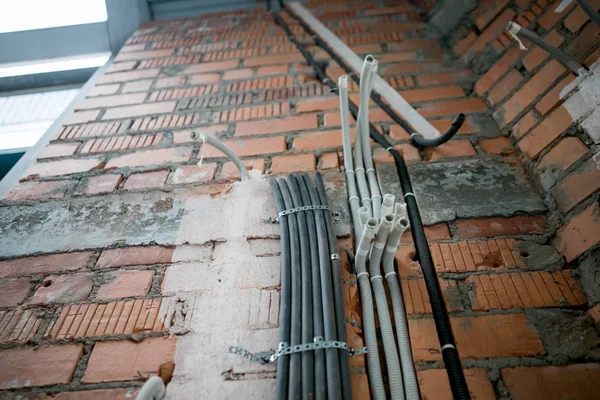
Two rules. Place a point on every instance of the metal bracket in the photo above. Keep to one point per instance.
(291, 211)
(265, 357)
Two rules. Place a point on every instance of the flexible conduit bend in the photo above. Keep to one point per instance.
(223, 148)
(409, 376)
(366, 297)
(385, 323)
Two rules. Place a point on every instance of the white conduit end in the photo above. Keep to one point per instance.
(513, 28)
(153, 389)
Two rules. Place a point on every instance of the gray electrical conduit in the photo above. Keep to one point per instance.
(411, 386)
(347, 150)
(223, 148)
(367, 76)
(153, 389)
(368, 321)
(383, 312)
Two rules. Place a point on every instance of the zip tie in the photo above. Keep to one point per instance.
(448, 346)
(370, 170)
(349, 171)
(303, 208)
(356, 169)
(335, 256)
(361, 274)
(389, 149)
(377, 195)
(353, 197)
(390, 273)
(367, 199)
(391, 249)
(379, 245)
(409, 194)
(413, 134)
(376, 277)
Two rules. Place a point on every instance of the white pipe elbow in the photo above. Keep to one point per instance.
(153, 389)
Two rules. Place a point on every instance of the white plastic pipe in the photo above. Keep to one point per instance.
(153, 389)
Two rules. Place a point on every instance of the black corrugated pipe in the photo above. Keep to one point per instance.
(295, 374)
(452, 363)
(319, 355)
(338, 291)
(591, 10)
(453, 130)
(283, 363)
(308, 383)
(332, 358)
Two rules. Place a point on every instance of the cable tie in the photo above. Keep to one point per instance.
(361, 274)
(377, 195)
(409, 194)
(353, 197)
(356, 169)
(448, 346)
(376, 277)
(389, 149)
(349, 171)
(367, 199)
(390, 273)
(370, 170)
(335, 256)
(391, 249)
(412, 135)
(379, 245)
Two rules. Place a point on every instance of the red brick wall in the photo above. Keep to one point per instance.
(83, 320)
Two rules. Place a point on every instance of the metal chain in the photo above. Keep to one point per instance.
(265, 357)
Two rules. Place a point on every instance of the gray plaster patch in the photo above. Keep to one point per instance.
(337, 197)
(566, 335)
(539, 257)
(83, 223)
(588, 275)
(465, 189)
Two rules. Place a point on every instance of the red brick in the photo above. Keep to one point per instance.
(410, 153)
(311, 105)
(230, 171)
(184, 136)
(104, 90)
(578, 185)
(329, 160)
(478, 337)
(175, 81)
(490, 33)
(505, 86)
(272, 60)
(125, 284)
(100, 184)
(13, 291)
(40, 190)
(193, 173)
(397, 132)
(293, 163)
(565, 154)
(44, 264)
(552, 98)
(453, 148)
(500, 145)
(121, 66)
(272, 70)
(529, 92)
(63, 289)
(576, 20)
(319, 140)
(141, 255)
(151, 157)
(497, 70)
(434, 384)
(360, 386)
(280, 125)
(580, 233)
(524, 290)
(140, 110)
(487, 10)
(468, 127)
(62, 167)
(111, 101)
(463, 45)
(202, 79)
(138, 86)
(82, 117)
(250, 147)
(551, 17)
(38, 366)
(583, 41)
(110, 144)
(128, 76)
(331, 119)
(59, 150)
(212, 66)
(577, 381)
(146, 180)
(452, 107)
(100, 394)
(388, 10)
(124, 360)
(395, 57)
(436, 93)
(524, 124)
(498, 226)
(537, 55)
(238, 74)
(141, 55)
(416, 297)
(546, 133)
(594, 313)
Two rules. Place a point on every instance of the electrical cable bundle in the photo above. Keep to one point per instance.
(312, 302)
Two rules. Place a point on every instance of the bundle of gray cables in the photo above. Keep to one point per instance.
(378, 226)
